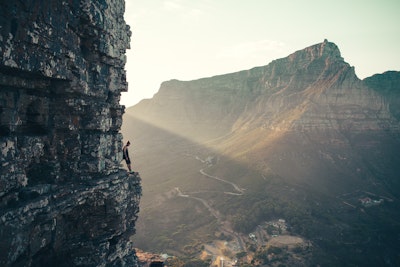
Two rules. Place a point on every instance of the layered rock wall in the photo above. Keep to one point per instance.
(64, 200)
(311, 89)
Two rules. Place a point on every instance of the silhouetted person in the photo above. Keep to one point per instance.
(126, 155)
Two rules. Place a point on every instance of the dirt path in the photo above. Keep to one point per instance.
(213, 211)
(235, 186)
(225, 226)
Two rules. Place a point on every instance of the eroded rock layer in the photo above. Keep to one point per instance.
(64, 201)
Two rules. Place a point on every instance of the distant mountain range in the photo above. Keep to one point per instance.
(302, 132)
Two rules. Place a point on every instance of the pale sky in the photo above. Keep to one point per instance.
(192, 39)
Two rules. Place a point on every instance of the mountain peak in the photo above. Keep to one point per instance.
(325, 49)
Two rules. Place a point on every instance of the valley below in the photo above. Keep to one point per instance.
(236, 248)
(199, 206)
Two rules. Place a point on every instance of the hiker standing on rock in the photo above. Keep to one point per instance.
(126, 155)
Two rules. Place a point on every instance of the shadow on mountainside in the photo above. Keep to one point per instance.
(326, 210)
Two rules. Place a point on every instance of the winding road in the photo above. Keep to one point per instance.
(224, 225)
(235, 186)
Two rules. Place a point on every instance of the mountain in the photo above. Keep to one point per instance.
(302, 138)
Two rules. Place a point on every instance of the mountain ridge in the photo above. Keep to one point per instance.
(300, 132)
(321, 63)
(311, 92)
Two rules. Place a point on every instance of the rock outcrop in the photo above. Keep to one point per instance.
(64, 201)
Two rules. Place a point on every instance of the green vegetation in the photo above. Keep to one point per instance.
(351, 234)
(179, 228)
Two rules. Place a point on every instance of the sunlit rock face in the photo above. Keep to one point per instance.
(64, 201)
(311, 89)
(308, 110)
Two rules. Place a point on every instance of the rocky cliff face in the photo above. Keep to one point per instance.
(388, 85)
(64, 201)
(316, 74)
(311, 89)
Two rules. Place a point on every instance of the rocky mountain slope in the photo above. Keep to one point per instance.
(311, 99)
(64, 201)
(304, 123)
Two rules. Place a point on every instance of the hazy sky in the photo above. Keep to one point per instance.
(191, 39)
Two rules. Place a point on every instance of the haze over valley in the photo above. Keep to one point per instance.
(295, 162)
